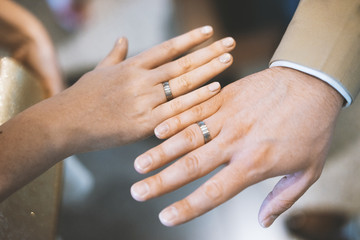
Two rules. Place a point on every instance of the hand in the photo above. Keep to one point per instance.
(28, 42)
(122, 101)
(273, 123)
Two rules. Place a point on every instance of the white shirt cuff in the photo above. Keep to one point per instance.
(318, 74)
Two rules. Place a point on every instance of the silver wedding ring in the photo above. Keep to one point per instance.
(205, 131)
(167, 91)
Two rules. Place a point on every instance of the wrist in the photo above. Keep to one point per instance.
(67, 124)
(48, 129)
(337, 85)
(315, 89)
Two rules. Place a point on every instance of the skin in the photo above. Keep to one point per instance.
(277, 122)
(120, 101)
(28, 42)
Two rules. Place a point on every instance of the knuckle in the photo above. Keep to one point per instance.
(185, 82)
(216, 65)
(186, 207)
(213, 190)
(271, 195)
(131, 63)
(283, 205)
(261, 162)
(158, 155)
(158, 181)
(201, 94)
(197, 111)
(138, 112)
(185, 63)
(192, 166)
(280, 205)
(177, 122)
(169, 47)
(190, 136)
(216, 48)
(175, 105)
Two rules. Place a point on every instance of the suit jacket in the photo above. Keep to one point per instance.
(324, 35)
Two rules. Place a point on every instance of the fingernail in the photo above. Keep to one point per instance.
(268, 221)
(225, 58)
(228, 42)
(168, 215)
(143, 162)
(214, 86)
(140, 190)
(120, 40)
(206, 29)
(161, 130)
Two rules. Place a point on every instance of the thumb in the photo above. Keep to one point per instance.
(286, 192)
(116, 55)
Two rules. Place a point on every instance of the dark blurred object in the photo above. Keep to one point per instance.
(73, 77)
(323, 225)
(241, 17)
(257, 26)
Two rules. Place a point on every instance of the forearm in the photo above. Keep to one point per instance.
(30, 143)
(323, 36)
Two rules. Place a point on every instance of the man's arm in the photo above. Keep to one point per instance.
(323, 40)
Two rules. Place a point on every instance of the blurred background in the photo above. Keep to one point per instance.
(85, 33)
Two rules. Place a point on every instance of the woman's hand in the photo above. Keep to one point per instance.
(123, 100)
(28, 42)
(273, 123)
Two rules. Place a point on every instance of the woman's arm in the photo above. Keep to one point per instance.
(119, 102)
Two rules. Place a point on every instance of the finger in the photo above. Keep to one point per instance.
(242, 171)
(172, 48)
(218, 189)
(191, 80)
(182, 103)
(286, 192)
(199, 76)
(177, 123)
(194, 60)
(191, 167)
(180, 144)
(116, 55)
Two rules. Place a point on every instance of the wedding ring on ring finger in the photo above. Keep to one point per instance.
(205, 131)
(167, 91)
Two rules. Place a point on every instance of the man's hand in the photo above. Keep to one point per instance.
(273, 123)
